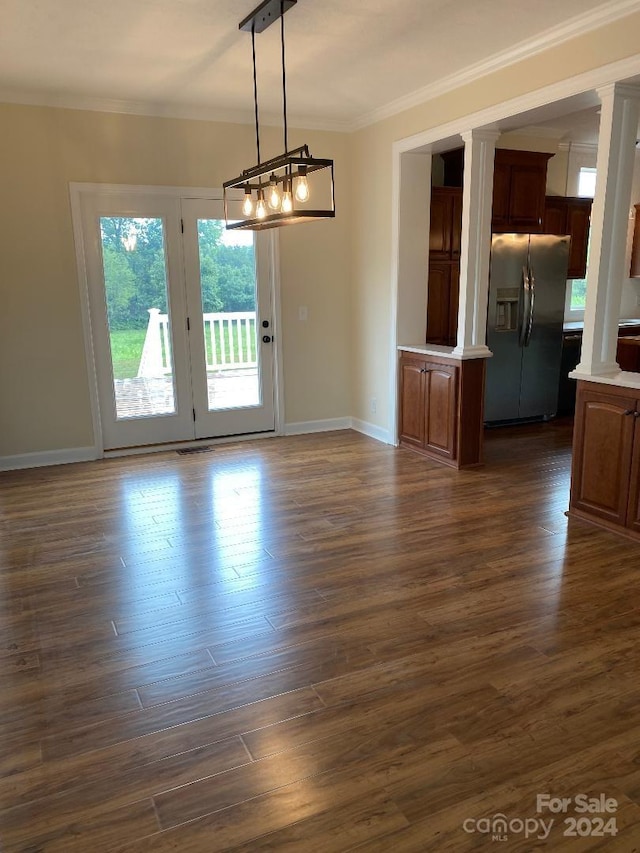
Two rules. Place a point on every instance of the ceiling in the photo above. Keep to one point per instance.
(346, 59)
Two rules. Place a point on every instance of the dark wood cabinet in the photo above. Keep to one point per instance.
(440, 411)
(442, 302)
(628, 353)
(444, 265)
(412, 402)
(606, 456)
(445, 225)
(519, 187)
(428, 406)
(634, 271)
(570, 215)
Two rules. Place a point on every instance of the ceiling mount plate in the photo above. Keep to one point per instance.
(266, 14)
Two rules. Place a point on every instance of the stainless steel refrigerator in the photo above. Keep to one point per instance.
(527, 284)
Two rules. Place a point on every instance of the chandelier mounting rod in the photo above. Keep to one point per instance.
(255, 90)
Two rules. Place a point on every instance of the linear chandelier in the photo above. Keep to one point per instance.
(293, 187)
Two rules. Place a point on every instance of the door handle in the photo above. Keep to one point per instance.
(525, 306)
(266, 339)
(532, 297)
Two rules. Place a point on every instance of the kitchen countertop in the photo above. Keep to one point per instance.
(439, 350)
(578, 325)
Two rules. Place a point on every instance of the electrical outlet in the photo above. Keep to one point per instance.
(374, 405)
(303, 313)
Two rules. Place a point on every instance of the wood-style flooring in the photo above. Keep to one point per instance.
(315, 643)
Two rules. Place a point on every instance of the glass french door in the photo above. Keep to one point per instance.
(228, 279)
(181, 320)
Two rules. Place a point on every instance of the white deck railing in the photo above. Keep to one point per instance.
(230, 342)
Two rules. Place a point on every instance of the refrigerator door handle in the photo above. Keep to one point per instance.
(526, 290)
(532, 298)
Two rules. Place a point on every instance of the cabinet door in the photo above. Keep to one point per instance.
(456, 224)
(578, 220)
(439, 302)
(440, 224)
(454, 298)
(500, 209)
(602, 454)
(555, 215)
(633, 511)
(634, 271)
(412, 382)
(440, 409)
(526, 198)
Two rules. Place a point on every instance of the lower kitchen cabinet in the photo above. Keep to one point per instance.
(605, 483)
(440, 407)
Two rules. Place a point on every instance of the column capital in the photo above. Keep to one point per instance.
(482, 134)
(622, 90)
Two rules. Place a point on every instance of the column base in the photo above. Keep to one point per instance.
(478, 351)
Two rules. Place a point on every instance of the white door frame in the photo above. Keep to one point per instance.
(76, 192)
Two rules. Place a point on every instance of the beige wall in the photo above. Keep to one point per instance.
(336, 362)
(373, 358)
(43, 378)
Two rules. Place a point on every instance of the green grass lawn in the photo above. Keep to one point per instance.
(126, 350)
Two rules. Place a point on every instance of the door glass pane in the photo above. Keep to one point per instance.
(228, 291)
(135, 279)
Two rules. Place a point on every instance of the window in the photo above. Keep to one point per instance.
(587, 182)
(586, 189)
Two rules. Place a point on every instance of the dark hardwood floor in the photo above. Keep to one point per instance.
(316, 643)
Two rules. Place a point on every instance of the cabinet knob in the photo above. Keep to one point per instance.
(630, 412)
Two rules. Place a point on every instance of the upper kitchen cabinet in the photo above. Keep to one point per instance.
(445, 228)
(572, 216)
(634, 272)
(445, 224)
(519, 187)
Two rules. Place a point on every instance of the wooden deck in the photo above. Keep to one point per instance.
(144, 396)
(314, 643)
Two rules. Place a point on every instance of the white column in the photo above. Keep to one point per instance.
(475, 249)
(609, 221)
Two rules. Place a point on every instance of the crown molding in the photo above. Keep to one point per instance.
(579, 25)
(553, 37)
(568, 88)
(189, 112)
(579, 147)
(539, 132)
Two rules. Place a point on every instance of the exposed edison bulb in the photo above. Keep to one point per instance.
(261, 207)
(274, 195)
(287, 201)
(247, 204)
(302, 187)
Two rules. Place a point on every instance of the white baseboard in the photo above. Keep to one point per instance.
(48, 457)
(87, 454)
(372, 430)
(328, 425)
